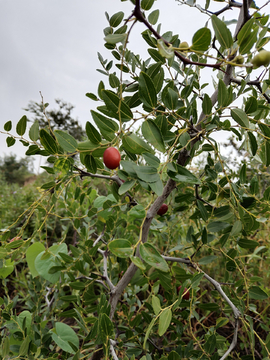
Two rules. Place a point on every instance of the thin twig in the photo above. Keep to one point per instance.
(113, 353)
(105, 269)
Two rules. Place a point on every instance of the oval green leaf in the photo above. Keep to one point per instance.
(34, 131)
(222, 32)
(135, 144)
(121, 248)
(64, 335)
(66, 141)
(147, 90)
(240, 117)
(21, 126)
(92, 133)
(48, 142)
(164, 321)
(120, 110)
(152, 257)
(201, 40)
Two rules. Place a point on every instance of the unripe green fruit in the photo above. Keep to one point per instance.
(184, 45)
(239, 59)
(261, 59)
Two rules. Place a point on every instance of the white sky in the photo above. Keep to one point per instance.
(51, 46)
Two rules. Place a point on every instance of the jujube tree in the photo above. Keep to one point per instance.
(134, 284)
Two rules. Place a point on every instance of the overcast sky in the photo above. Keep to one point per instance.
(51, 46)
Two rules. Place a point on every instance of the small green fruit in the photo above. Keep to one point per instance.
(184, 45)
(239, 59)
(261, 59)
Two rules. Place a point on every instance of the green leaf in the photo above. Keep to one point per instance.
(10, 141)
(171, 99)
(196, 280)
(267, 153)
(156, 305)
(147, 90)
(153, 17)
(32, 150)
(164, 321)
(120, 110)
(255, 292)
(152, 323)
(121, 248)
(152, 257)
(116, 19)
(90, 162)
(21, 126)
(115, 38)
(243, 174)
(92, 96)
(48, 185)
(31, 254)
(173, 354)
(47, 259)
(240, 117)
(153, 135)
(147, 173)
(135, 144)
(34, 131)
(201, 40)
(164, 50)
(127, 185)
(222, 94)
(48, 142)
(207, 259)
(92, 133)
(203, 210)
(251, 105)
(64, 335)
(209, 306)
(8, 126)
(137, 212)
(184, 175)
(247, 244)
(62, 165)
(253, 143)
(157, 187)
(24, 346)
(105, 326)
(6, 269)
(237, 228)
(246, 38)
(156, 55)
(147, 4)
(207, 104)
(138, 262)
(5, 346)
(114, 81)
(222, 32)
(265, 130)
(104, 123)
(216, 226)
(77, 285)
(66, 141)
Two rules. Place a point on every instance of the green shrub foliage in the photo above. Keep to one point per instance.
(98, 274)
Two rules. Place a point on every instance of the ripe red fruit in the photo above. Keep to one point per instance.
(186, 294)
(163, 209)
(111, 158)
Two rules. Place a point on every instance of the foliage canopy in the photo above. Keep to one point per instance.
(110, 290)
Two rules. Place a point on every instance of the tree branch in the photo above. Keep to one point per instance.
(218, 287)
(139, 16)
